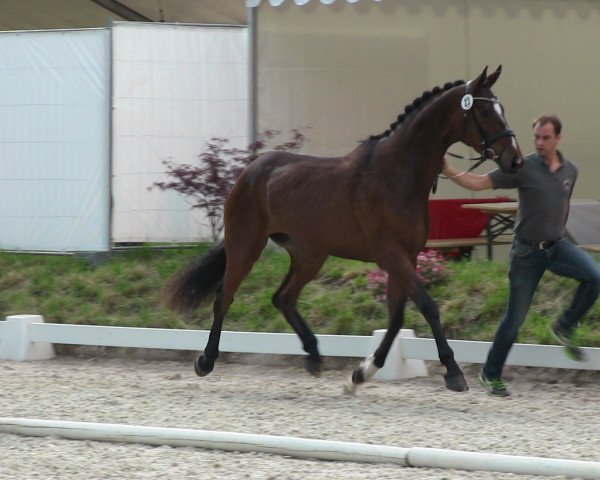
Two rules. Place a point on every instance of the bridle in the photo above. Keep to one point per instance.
(487, 153)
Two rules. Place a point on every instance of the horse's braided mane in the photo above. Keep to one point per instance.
(414, 106)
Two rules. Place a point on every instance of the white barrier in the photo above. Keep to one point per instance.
(22, 338)
(27, 337)
(397, 365)
(303, 448)
(16, 343)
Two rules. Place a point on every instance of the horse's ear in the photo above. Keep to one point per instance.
(489, 81)
(477, 82)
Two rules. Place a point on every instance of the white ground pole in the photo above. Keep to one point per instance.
(303, 448)
(212, 440)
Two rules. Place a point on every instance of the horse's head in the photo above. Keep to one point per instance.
(485, 127)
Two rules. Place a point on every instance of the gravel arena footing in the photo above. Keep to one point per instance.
(551, 413)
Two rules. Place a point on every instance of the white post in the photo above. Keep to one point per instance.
(16, 344)
(396, 366)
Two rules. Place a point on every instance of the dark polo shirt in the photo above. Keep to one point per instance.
(543, 197)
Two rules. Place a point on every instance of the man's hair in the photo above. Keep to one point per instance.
(549, 118)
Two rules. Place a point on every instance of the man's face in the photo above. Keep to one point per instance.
(545, 140)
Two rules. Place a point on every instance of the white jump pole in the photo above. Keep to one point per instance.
(229, 441)
(303, 448)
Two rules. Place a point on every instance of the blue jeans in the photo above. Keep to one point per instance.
(527, 265)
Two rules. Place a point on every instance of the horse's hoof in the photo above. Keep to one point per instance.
(365, 371)
(202, 371)
(312, 366)
(358, 376)
(456, 383)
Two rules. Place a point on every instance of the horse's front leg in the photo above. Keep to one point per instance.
(370, 365)
(454, 377)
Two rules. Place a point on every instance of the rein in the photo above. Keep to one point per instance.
(480, 159)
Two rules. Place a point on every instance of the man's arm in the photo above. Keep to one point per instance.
(468, 180)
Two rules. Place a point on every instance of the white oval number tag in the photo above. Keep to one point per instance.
(467, 102)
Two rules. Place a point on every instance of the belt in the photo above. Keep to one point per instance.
(543, 245)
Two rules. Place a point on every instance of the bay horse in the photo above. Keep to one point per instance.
(369, 205)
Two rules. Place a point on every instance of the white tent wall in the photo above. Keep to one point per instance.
(348, 69)
(54, 140)
(88, 116)
(174, 88)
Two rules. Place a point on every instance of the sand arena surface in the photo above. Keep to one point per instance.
(552, 413)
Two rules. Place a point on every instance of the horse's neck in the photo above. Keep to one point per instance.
(435, 128)
(420, 145)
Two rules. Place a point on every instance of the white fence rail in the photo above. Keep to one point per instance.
(27, 337)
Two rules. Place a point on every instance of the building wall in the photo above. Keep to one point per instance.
(347, 70)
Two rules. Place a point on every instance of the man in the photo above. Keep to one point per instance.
(544, 184)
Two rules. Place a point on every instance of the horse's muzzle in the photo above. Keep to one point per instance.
(512, 166)
(516, 164)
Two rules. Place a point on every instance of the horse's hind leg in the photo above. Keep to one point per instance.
(205, 362)
(302, 271)
(454, 377)
(239, 264)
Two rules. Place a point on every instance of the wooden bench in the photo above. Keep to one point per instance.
(471, 242)
(463, 247)
(456, 242)
(593, 247)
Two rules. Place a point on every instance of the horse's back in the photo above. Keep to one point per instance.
(282, 174)
(308, 199)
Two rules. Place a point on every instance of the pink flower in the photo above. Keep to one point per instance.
(431, 270)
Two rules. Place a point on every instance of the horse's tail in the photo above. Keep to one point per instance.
(193, 283)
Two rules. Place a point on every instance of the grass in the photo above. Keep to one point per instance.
(125, 290)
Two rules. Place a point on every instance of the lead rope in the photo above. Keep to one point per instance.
(479, 161)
